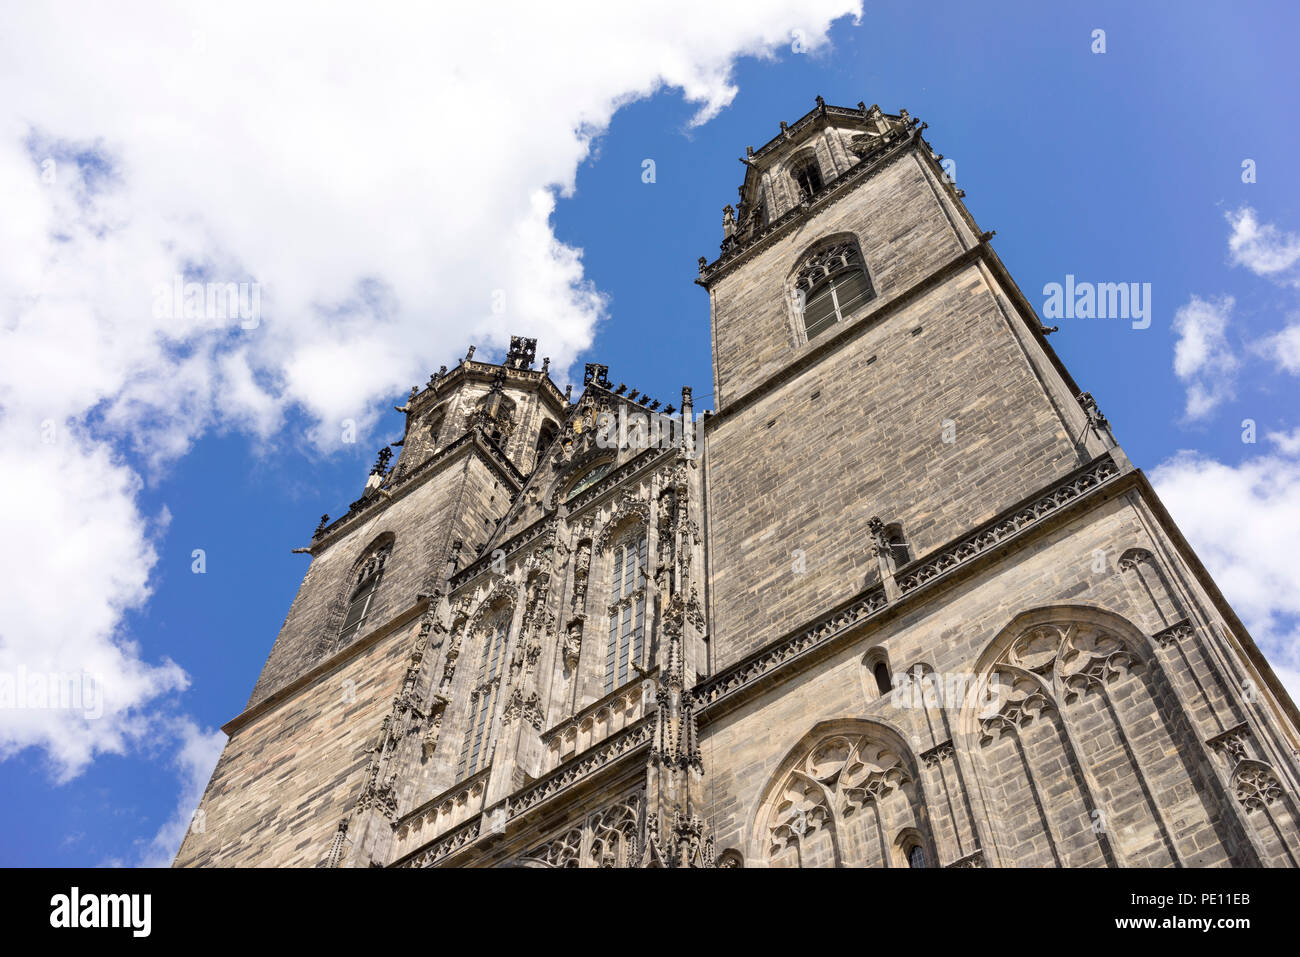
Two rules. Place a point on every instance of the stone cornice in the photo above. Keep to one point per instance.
(326, 665)
(575, 721)
(473, 439)
(486, 372)
(1006, 526)
(844, 333)
(893, 145)
(577, 770)
(963, 555)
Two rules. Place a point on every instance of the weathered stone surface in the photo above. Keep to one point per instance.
(907, 604)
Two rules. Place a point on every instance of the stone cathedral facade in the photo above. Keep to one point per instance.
(901, 600)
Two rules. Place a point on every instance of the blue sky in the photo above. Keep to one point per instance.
(1122, 166)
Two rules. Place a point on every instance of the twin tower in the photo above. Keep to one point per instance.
(900, 601)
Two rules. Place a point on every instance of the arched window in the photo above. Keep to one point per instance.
(589, 478)
(807, 176)
(881, 673)
(362, 597)
(545, 436)
(830, 285)
(434, 428)
(477, 749)
(626, 611)
(915, 855)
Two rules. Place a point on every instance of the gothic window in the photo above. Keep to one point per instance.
(838, 795)
(477, 749)
(830, 285)
(589, 478)
(807, 176)
(626, 611)
(545, 437)
(916, 856)
(366, 583)
(434, 428)
(1065, 691)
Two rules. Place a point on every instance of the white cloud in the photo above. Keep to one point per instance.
(1202, 357)
(378, 173)
(1263, 249)
(1283, 348)
(1288, 443)
(195, 758)
(1243, 521)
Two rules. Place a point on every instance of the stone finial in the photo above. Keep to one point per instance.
(469, 355)
(821, 103)
(546, 364)
(381, 462)
(324, 521)
(522, 353)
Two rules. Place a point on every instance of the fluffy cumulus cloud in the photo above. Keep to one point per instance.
(1283, 348)
(196, 755)
(1242, 521)
(1203, 358)
(1263, 248)
(361, 192)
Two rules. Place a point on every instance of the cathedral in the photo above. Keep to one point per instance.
(899, 600)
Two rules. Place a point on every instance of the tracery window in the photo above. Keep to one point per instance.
(589, 478)
(808, 177)
(362, 597)
(626, 611)
(838, 797)
(830, 285)
(477, 748)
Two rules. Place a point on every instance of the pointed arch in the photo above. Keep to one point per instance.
(1065, 694)
(841, 797)
(828, 285)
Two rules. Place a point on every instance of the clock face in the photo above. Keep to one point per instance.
(589, 478)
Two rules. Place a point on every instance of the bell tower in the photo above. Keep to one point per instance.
(874, 366)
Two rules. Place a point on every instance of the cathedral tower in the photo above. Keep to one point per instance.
(902, 600)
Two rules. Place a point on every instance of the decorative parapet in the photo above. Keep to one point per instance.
(823, 630)
(597, 722)
(1006, 526)
(874, 600)
(571, 772)
(442, 814)
(630, 740)
(463, 836)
